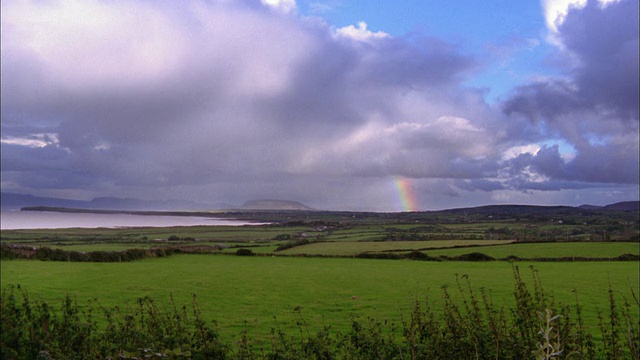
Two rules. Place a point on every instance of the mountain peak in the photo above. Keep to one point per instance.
(273, 204)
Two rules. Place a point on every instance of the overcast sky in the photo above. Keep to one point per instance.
(331, 103)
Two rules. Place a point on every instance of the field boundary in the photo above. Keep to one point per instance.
(44, 253)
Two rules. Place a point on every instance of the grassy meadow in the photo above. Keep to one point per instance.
(257, 293)
(350, 248)
(550, 250)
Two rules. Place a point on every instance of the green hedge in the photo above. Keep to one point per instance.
(533, 327)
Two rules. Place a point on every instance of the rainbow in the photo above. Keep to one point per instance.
(406, 194)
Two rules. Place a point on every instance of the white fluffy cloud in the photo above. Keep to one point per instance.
(361, 33)
(555, 11)
(281, 5)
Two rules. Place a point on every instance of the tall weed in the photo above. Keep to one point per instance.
(467, 326)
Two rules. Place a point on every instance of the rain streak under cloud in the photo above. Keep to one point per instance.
(232, 100)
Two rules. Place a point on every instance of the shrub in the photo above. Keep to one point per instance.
(33, 330)
(292, 244)
(626, 257)
(244, 252)
(48, 254)
(13, 251)
(476, 256)
(419, 255)
(367, 255)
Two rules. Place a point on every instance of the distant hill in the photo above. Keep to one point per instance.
(620, 206)
(12, 201)
(590, 207)
(507, 211)
(270, 204)
(625, 206)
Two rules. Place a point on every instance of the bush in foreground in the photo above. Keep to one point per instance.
(534, 327)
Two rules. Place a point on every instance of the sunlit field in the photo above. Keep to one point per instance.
(353, 248)
(258, 293)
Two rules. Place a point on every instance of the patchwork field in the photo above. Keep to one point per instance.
(308, 273)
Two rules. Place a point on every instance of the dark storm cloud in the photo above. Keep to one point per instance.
(479, 185)
(597, 164)
(23, 158)
(595, 106)
(606, 41)
(601, 41)
(544, 100)
(547, 169)
(423, 62)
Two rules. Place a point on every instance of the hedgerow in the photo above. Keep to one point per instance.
(467, 326)
(45, 253)
(291, 244)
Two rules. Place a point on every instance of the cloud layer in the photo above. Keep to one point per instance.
(234, 100)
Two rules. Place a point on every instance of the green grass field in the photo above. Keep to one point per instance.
(202, 233)
(548, 250)
(498, 249)
(259, 293)
(352, 248)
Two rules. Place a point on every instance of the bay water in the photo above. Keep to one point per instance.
(10, 220)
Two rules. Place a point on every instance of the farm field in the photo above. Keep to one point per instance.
(145, 234)
(548, 250)
(258, 293)
(354, 248)
(498, 249)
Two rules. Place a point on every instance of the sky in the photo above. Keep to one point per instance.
(341, 105)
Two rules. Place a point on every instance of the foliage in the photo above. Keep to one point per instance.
(375, 255)
(467, 326)
(419, 255)
(244, 252)
(475, 256)
(34, 330)
(291, 244)
(45, 253)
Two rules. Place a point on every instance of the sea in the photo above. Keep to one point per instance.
(13, 220)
